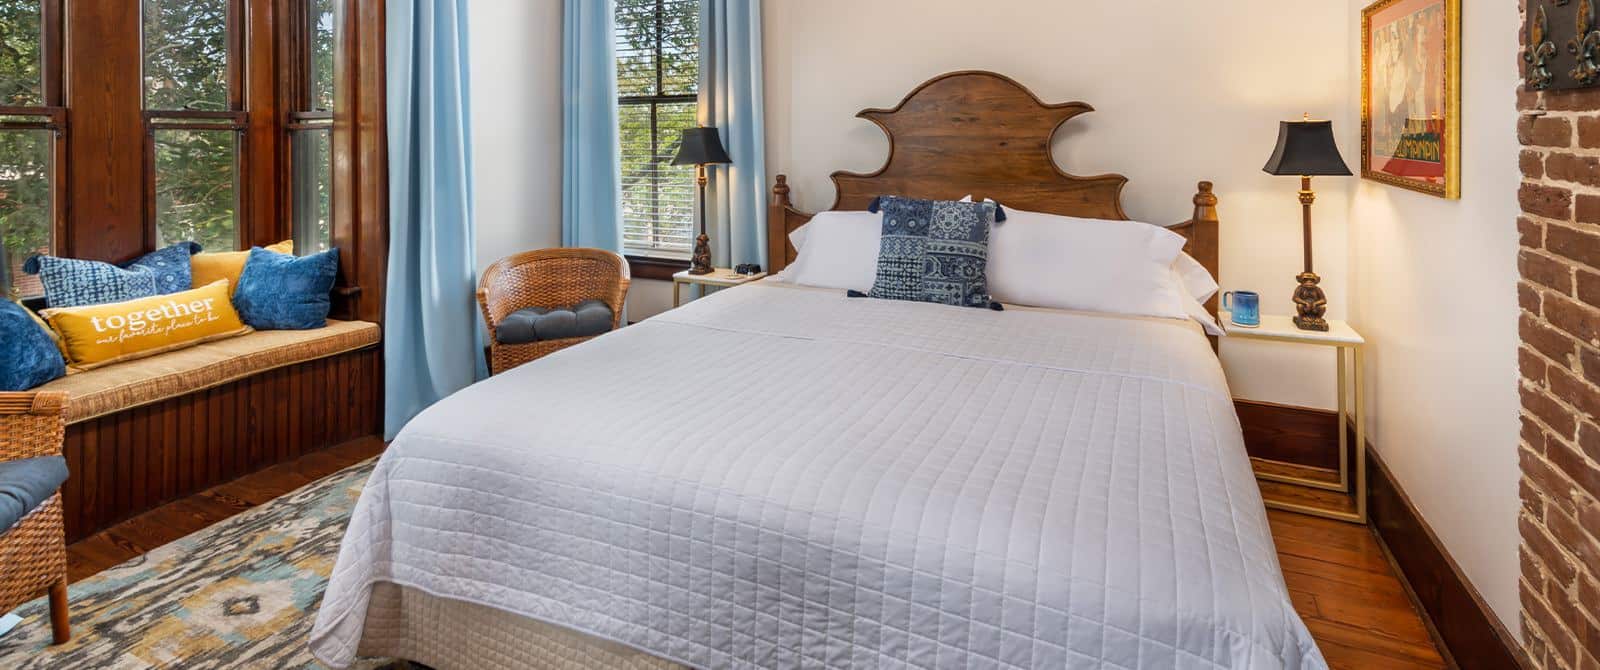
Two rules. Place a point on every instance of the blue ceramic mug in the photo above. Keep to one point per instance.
(1244, 308)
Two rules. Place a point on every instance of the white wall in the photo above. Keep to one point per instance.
(515, 54)
(516, 135)
(1184, 91)
(1435, 294)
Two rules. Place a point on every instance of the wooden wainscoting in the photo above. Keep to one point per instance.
(132, 461)
(1461, 623)
(1286, 434)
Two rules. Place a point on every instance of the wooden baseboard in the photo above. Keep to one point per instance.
(1287, 434)
(1462, 623)
(1463, 626)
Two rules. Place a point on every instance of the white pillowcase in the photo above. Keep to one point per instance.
(1098, 265)
(1197, 283)
(1046, 261)
(1197, 280)
(837, 249)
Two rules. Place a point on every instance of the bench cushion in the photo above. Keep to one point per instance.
(26, 483)
(123, 386)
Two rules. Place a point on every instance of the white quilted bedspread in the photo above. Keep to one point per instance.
(778, 477)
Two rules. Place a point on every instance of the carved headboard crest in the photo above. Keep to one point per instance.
(981, 134)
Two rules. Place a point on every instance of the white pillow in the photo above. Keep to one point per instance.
(837, 250)
(797, 237)
(1196, 308)
(1063, 262)
(1197, 280)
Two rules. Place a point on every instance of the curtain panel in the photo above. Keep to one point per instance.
(431, 341)
(591, 203)
(731, 99)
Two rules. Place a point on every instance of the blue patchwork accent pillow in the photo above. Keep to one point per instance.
(170, 266)
(72, 282)
(934, 251)
(28, 354)
(284, 292)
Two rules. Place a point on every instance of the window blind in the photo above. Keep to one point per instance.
(658, 70)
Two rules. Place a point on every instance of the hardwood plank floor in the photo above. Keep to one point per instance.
(1338, 578)
(1349, 595)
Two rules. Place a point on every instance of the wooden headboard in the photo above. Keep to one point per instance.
(983, 134)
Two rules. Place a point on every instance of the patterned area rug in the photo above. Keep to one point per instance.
(240, 594)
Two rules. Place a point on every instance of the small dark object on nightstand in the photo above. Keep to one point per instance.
(747, 268)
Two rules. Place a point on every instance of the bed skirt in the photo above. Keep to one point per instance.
(448, 634)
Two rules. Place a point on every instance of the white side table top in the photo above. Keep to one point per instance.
(718, 277)
(1282, 328)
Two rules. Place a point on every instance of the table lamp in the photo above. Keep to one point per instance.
(701, 147)
(1306, 148)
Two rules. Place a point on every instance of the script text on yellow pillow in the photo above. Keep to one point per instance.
(96, 335)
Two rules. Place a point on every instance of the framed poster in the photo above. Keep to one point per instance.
(1411, 95)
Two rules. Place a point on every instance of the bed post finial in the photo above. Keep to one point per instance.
(1205, 203)
(780, 192)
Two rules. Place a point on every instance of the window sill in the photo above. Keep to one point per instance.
(649, 267)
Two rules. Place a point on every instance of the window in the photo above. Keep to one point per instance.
(226, 122)
(658, 73)
(30, 123)
(311, 125)
(194, 120)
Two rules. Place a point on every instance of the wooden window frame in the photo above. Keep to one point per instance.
(235, 119)
(52, 116)
(300, 115)
(103, 206)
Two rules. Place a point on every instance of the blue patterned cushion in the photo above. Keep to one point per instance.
(72, 282)
(934, 251)
(282, 292)
(28, 354)
(170, 266)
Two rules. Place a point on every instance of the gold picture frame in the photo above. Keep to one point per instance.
(1414, 139)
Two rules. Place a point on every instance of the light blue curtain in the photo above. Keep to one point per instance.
(591, 202)
(731, 100)
(431, 343)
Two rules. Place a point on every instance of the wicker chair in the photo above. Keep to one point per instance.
(548, 278)
(33, 552)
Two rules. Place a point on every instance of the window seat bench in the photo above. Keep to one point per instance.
(151, 430)
(114, 388)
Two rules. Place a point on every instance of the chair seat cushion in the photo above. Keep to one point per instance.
(26, 483)
(540, 324)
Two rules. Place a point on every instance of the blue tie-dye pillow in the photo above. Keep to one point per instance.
(283, 292)
(28, 354)
(72, 282)
(934, 251)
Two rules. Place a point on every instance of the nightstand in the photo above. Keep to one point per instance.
(1311, 490)
(719, 278)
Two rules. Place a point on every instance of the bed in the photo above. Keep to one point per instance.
(821, 481)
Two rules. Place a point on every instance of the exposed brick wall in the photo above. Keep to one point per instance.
(1559, 357)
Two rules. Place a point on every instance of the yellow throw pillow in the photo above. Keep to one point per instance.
(97, 335)
(209, 267)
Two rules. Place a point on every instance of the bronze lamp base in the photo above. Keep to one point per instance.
(1309, 303)
(700, 264)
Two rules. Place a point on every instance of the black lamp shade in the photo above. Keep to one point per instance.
(701, 146)
(1306, 148)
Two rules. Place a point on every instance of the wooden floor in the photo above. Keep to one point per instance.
(1339, 580)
